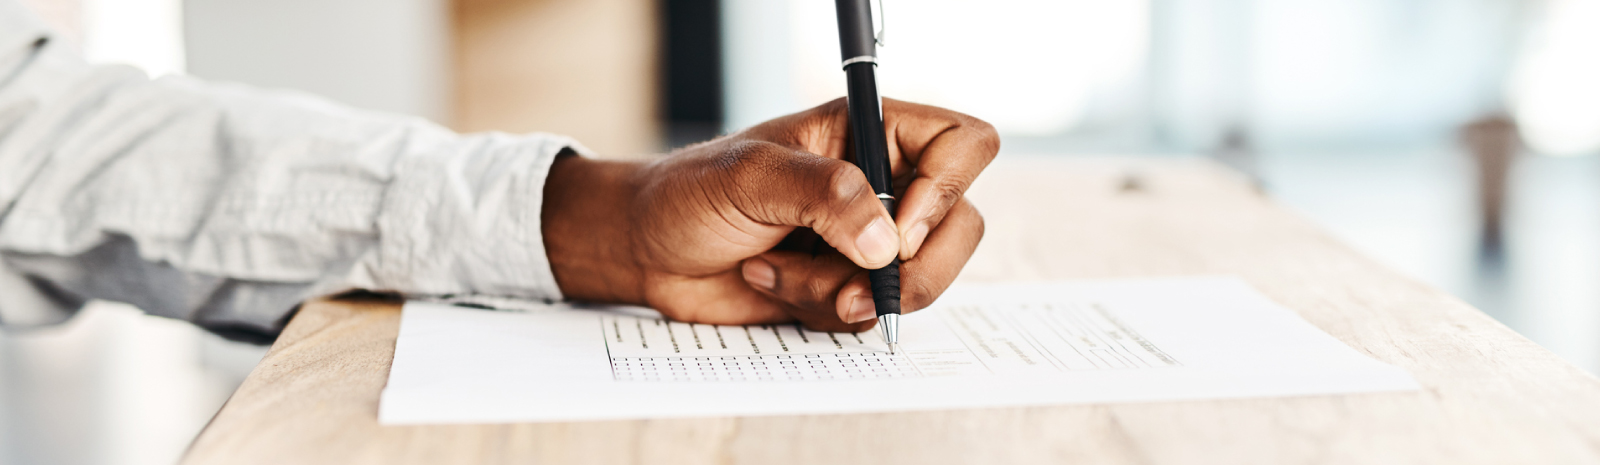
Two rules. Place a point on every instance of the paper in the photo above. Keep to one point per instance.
(978, 346)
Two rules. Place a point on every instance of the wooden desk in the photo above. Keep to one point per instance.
(1491, 395)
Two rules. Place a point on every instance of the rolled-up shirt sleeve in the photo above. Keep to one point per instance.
(227, 205)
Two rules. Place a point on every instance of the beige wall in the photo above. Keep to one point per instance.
(584, 68)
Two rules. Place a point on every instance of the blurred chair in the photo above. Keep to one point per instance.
(1493, 142)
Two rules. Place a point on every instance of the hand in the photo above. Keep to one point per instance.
(727, 231)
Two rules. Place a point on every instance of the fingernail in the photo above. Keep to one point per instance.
(760, 274)
(914, 239)
(879, 243)
(862, 309)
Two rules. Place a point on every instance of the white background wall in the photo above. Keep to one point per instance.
(389, 55)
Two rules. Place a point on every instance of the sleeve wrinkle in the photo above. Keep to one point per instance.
(226, 205)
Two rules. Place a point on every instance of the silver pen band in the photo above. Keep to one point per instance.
(860, 59)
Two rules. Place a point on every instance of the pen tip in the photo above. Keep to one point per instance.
(894, 348)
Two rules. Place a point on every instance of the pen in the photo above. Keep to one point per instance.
(859, 50)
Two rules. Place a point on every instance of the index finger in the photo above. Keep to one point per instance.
(948, 150)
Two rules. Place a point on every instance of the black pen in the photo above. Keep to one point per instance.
(859, 50)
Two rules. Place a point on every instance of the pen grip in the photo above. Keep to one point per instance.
(886, 288)
(886, 281)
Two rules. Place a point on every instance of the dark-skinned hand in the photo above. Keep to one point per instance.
(773, 223)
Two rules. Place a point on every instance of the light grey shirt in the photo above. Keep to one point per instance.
(227, 205)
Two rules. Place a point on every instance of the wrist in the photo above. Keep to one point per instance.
(587, 229)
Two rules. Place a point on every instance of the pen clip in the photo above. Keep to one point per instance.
(879, 36)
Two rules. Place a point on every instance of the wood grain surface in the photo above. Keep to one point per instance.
(1490, 395)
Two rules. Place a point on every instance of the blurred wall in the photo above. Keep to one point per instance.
(1131, 76)
(581, 68)
(389, 55)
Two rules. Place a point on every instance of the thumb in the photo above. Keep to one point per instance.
(776, 185)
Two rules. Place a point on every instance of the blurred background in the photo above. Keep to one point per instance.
(1453, 140)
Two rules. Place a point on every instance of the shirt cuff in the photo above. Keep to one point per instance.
(464, 219)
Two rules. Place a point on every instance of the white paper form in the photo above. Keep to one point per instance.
(978, 346)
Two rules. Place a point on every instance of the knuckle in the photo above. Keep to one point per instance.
(981, 132)
(988, 137)
(983, 128)
(816, 296)
(950, 191)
